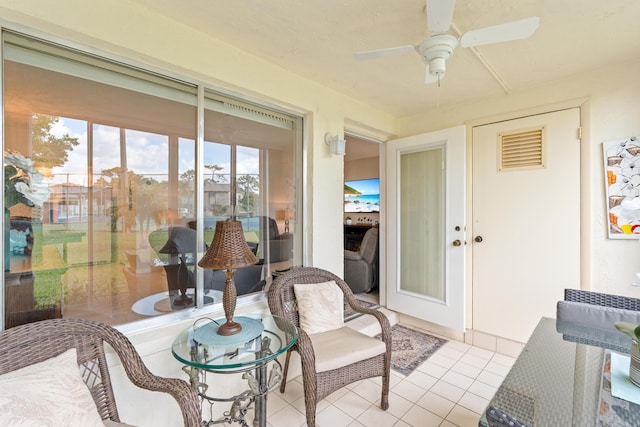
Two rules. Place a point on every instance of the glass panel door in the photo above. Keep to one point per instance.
(425, 229)
(422, 223)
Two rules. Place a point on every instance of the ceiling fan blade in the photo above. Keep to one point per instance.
(380, 53)
(508, 31)
(439, 15)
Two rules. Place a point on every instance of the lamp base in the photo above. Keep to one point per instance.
(229, 305)
(229, 328)
(183, 300)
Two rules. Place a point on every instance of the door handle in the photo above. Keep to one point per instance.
(457, 242)
(478, 239)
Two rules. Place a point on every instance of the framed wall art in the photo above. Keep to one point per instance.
(622, 182)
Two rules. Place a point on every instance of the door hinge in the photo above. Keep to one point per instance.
(579, 133)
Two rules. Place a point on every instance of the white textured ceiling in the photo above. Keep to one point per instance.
(317, 38)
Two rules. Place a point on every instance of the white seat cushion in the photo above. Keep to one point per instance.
(341, 347)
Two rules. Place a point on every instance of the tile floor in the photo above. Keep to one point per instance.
(452, 388)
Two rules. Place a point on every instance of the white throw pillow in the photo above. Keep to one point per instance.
(320, 306)
(48, 393)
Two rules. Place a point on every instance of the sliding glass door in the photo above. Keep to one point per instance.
(102, 199)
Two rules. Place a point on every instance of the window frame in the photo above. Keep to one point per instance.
(203, 88)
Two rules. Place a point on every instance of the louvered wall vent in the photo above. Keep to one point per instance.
(521, 149)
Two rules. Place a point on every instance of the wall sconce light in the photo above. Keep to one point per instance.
(336, 145)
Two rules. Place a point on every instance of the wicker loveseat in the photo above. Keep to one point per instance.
(28, 344)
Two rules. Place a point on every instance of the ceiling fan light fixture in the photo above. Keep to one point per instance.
(435, 51)
(437, 66)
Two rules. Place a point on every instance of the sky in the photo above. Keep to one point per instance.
(366, 186)
(147, 153)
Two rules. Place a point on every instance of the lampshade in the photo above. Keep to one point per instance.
(228, 249)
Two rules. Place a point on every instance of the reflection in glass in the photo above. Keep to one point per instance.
(115, 238)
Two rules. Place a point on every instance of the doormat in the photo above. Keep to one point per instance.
(410, 348)
(349, 314)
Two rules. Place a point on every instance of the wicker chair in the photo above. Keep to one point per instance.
(603, 310)
(34, 342)
(318, 385)
(606, 300)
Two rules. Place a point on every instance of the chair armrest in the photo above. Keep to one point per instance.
(352, 256)
(139, 375)
(385, 326)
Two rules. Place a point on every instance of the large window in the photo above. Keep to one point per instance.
(110, 199)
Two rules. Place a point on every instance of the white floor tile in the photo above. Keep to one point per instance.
(490, 378)
(473, 360)
(482, 389)
(457, 379)
(418, 416)
(332, 417)
(336, 395)
(473, 402)
(451, 352)
(498, 369)
(457, 345)
(444, 361)
(481, 352)
(467, 370)
(463, 417)
(421, 379)
(287, 417)
(436, 404)
(275, 403)
(448, 391)
(503, 359)
(368, 390)
(451, 389)
(432, 369)
(376, 417)
(398, 405)
(409, 391)
(293, 391)
(352, 404)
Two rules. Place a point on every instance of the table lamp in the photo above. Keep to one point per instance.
(180, 242)
(228, 250)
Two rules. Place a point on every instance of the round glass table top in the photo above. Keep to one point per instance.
(263, 338)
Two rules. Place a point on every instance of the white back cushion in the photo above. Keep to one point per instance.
(320, 306)
(48, 393)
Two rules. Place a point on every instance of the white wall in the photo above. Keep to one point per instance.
(128, 31)
(610, 107)
(125, 30)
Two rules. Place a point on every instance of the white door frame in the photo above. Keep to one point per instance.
(450, 314)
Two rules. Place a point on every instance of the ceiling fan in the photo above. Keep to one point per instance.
(435, 50)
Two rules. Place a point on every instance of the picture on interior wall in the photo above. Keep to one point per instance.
(622, 176)
(362, 196)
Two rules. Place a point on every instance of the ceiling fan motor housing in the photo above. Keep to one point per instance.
(436, 50)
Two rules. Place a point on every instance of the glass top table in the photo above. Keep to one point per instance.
(558, 380)
(262, 339)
